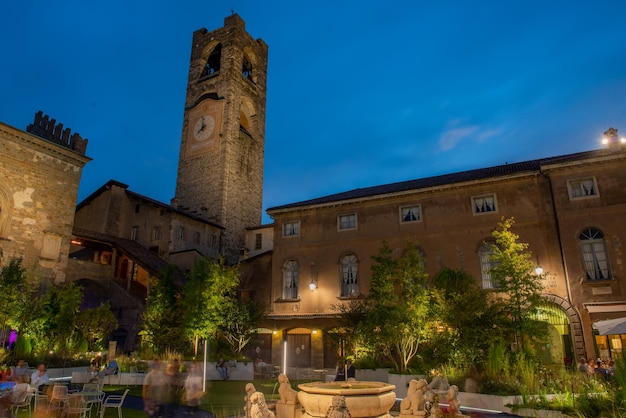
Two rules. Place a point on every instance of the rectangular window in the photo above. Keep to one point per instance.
(197, 237)
(582, 188)
(410, 214)
(346, 222)
(137, 208)
(156, 233)
(484, 204)
(181, 232)
(213, 241)
(134, 231)
(291, 229)
(258, 241)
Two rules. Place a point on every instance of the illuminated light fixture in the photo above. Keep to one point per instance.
(275, 330)
(623, 140)
(538, 269)
(314, 331)
(312, 285)
(75, 242)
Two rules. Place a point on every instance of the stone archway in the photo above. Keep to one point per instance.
(575, 323)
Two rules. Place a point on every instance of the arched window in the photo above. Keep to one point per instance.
(349, 275)
(212, 65)
(486, 264)
(290, 280)
(593, 251)
(246, 69)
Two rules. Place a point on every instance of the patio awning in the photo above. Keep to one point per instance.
(611, 326)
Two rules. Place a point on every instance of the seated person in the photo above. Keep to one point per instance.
(16, 394)
(39, 377)
(111, 368)
(21, 370)
(220, 366)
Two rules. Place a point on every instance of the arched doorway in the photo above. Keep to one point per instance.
(558, 348)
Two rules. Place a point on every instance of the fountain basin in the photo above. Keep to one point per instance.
(363, 399)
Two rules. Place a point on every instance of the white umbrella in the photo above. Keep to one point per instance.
(611, 326)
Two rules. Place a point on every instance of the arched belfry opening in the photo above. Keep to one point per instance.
(212, 66)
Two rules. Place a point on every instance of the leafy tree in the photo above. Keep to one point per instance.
(239, 322)
(163, 319)
(518, 285)
(15, 296)
(208, 296)
(61, 304)
(96, 325)
(470, 318)
(396, 317)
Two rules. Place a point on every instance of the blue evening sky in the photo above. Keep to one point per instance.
(360, 93)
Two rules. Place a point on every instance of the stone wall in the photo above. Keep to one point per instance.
(37, 201)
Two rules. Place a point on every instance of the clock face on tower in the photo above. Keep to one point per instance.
(204, 127)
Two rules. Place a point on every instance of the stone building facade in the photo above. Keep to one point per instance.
(567, 208)
(173, 235)
(40, 170)
(220, 171)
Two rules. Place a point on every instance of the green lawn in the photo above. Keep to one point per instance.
(223, 398)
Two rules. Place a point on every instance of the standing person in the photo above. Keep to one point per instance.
(154, 390)
(39, 377)
(350, 371)
(172, 386)
(340, 376)
(582, 366)
(221, 368)
(193, 389)
(21, 370)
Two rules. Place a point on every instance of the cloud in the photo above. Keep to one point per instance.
(456, 132)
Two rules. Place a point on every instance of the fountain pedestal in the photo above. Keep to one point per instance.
(363, 399)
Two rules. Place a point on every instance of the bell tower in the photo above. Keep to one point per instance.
(220, 168)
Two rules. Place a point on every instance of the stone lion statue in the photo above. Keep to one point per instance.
(259, 409)
(287, 394)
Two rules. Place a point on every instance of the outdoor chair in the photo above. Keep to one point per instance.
(57, 398)
(22, 403)
(75, 407)
(93, 394)
(114, 401)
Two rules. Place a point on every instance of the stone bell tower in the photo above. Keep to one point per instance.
(220, 169)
